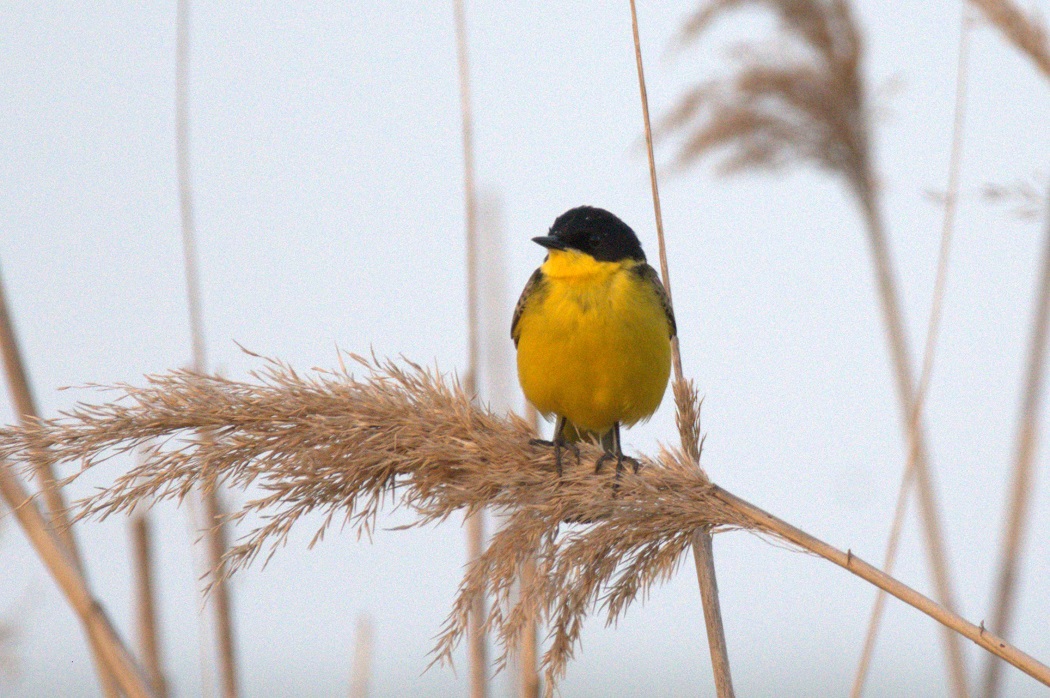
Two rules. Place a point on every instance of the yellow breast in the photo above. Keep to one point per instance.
(594, 343)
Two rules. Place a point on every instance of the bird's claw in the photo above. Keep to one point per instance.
(620, 460)
(558, 445)
(601, 461)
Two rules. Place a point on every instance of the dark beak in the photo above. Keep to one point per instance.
(550, 242)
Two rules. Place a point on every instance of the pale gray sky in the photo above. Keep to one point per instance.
(327, 166)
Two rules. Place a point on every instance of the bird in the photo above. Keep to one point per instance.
(593, 330)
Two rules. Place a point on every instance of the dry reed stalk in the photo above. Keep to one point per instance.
(361, 671)
(401, 436)
(219, 593)
(475, 525)
(25, 408)
(951, 201)
(145, 606)
(182, 157)
(847, 560)
(688, 418)
(529, 679)
(799, 100)
(57, 520)
(141, 535)
(114, 658)
(213, 533)
(1015, 528)
(1025, 31)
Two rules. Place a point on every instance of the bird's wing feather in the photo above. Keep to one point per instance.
(649, 275)
(534, 285)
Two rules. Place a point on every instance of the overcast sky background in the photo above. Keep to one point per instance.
(327, 167)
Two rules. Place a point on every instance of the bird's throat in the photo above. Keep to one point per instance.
(571, 264)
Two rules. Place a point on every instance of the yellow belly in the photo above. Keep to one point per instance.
(595, 349)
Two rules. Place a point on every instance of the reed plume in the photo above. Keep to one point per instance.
(403, 436)
(1024, 30)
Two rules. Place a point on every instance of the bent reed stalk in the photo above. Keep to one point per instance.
(402, 436)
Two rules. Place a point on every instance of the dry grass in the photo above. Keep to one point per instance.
(401, 436)
(345, 447)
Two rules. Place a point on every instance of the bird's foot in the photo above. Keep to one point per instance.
(620, 460)
(600, 463)
(558, 445)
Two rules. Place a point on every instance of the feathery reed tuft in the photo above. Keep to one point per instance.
(1024, 30)
(797, 99)
(399, 436)
(402, 436)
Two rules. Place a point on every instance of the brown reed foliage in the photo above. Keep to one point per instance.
(1024, 30)
(401, 436)
(798, 99)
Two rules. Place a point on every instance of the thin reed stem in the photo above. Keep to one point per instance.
(475, 526)
(528, 658)
(215, 538)
(704, 557)
(213, 533)
(1015, 529)
(361, 670)
(145, 605)
(928, 507)
(703, 551)
(182, 156)
(57, 519)
(929, 351)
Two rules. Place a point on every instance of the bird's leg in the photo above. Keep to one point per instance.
(611, 445)
(558, 442)
(617, 453)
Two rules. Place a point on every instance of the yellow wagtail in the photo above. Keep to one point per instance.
(593, 330)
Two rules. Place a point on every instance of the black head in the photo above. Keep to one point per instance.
(593, 231)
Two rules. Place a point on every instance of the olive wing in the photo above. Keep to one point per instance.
(650, 276)
(534, 287)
